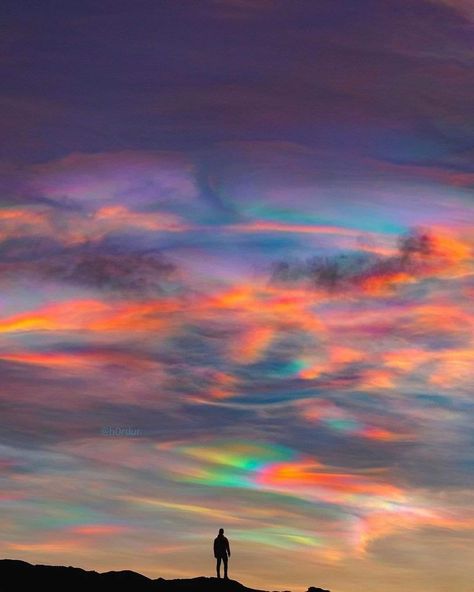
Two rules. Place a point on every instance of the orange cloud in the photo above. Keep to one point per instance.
(27, 221)
(406, 360)
(262, 312)
(117, 217)
(449, 247)
(377, 378)
(61, 316)
(78, 360)
(455, 368)
(252, 344)
(381, 435)
(92, 315)
(59, 546)
(309, 478)
(444, 316)
(335, 358)
(223, 385)
(272, 226)
(98, 529)
(381, 524)
(382, 284)
(76, 227)
(181, 507)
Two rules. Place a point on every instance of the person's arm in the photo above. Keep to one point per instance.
(228, 546)
(215, 548)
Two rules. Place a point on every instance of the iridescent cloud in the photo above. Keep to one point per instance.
(236, 290)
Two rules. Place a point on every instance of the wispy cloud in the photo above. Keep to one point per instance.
(236, 271)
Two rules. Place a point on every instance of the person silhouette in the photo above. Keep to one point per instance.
(221, 552)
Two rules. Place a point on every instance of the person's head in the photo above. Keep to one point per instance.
(221, 531)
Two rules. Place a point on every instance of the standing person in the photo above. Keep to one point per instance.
(221, 552)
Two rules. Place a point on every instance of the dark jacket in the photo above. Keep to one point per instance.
(221, 546)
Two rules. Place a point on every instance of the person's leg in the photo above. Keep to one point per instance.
(218, 567)
(225, 565)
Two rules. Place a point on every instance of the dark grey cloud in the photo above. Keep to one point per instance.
(90, 265)
(141, 273)
(349, 271)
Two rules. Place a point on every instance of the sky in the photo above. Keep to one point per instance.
(236, 286)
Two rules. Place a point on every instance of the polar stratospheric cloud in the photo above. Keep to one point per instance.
(236, 289)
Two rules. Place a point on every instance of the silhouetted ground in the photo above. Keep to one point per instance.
(19, 575)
